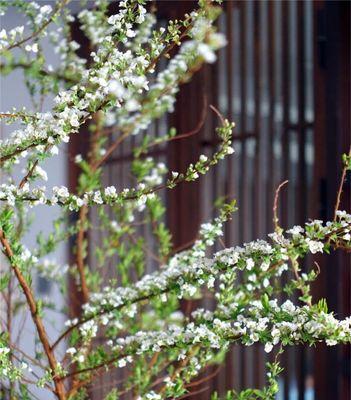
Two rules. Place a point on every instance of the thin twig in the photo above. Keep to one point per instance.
(341, 185)
(205, 378)
(220, 116)
(59, 387)
(28, 175)
(194, 393)
(58, 8)
(275, 206)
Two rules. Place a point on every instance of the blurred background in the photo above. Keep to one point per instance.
(284, 78)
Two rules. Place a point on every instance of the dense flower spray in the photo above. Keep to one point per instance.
(132, 320)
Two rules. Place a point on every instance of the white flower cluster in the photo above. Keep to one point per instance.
(125, 84)
(44, 129)
(8, 370)
(56, 127)
(51, 269)
(7, 38)
(119, 74)
(286, 324)
(189, 270)
(140, 194)
(42, 13)
(61, 196)
(161, 96)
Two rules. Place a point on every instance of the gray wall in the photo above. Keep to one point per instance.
(14, 93)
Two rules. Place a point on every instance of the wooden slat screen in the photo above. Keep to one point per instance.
(265, 80)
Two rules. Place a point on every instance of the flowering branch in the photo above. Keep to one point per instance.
(132, 279)
(60, 391)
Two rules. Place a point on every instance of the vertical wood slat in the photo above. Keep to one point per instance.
(332, 78)
(301, 185)
(243, 217)
(258, 186)
(345, 128)
(230, 366)
(271, 178)
(284, 65)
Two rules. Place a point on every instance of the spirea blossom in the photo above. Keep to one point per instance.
(123, 265)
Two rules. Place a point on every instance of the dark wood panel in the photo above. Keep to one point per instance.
(263, 81)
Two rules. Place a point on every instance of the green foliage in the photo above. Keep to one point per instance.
(140, 302)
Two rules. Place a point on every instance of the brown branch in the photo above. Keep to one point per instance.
(38, 142)
(205, 378)
(57, 9)
(28, 175)
(9, 115)
(59, 387)
(70, 329)
(146, 297)
(219, 115)
(181, 365)
(83, 212)
(177, 137)
(43, 72)
(19, 150)
(111, 149)
(169, 48)
(275, 206)
(341, 185)
(194, 393)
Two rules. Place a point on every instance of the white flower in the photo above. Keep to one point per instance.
(268, 347)
(153, 396)
(34, 47)
(211, 281)
(206, 52)
(265, 266)
(115, 226)
(218, 40)
(45, 9)
(97, 198)
(115, 88)
(41, 173)
(288, 306)
(78, 158)
(110, 191)
(113, 19)
(81, 358)
(74, 120)
(250, 264)
(130, 33)
(61, 191)
(3, 34)
(4, 350)
(20, 30)
(314, 246)
(54, 150)
(295, 230)
(24, 365)
(122, 362)
(203, 158)
(132, 105)
(71, 351)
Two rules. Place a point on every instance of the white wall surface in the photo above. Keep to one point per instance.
(14, 93)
